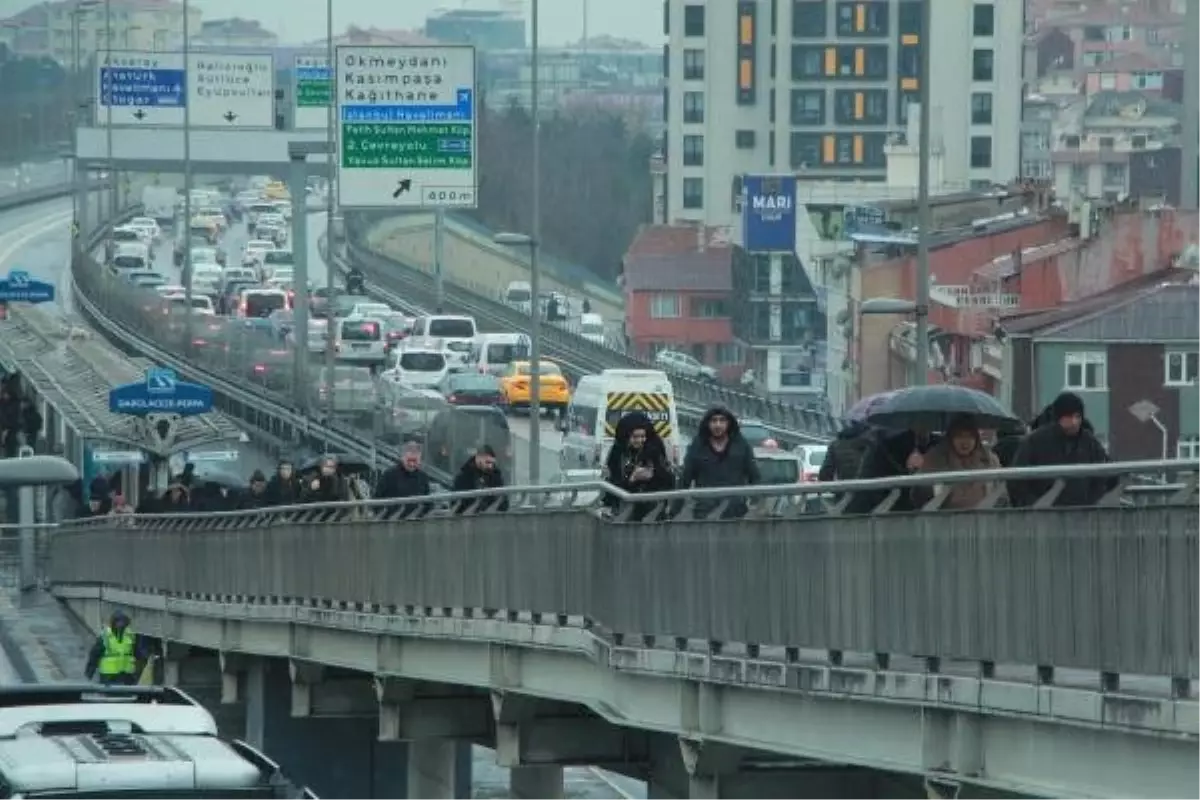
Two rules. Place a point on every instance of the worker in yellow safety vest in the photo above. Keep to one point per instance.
(116, 653)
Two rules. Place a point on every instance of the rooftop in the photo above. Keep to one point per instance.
(1131, 105)
(679, 258)
(1113, 15)
(1131, 62)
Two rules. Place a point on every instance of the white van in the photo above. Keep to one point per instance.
(417, 367)
(491, 353)
(130, 257)
(360, 340)
(591, 327)
(599, 403)
(519, 295)
(453, 335)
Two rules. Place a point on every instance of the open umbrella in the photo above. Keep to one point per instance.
(930, 408)
(347, 465)
(860, 411)
(220, 477)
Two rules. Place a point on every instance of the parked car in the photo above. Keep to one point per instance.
(675, 363)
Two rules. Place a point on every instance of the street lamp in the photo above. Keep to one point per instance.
(331, 204)
(511, 239)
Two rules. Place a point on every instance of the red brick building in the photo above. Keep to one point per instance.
(677, 287)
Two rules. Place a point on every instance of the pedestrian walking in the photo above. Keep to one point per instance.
(255, 495)
(118, 654)
(480, 471)
(284, 487)
(718, 457)
(637, 463)
(405, 479)
(960, 450)
(1062, 436)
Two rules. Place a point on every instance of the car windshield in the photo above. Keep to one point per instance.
(506, 353)
(364, 331)
(204, 255)
(422, 362)
(451, 328)
(778, 470)
(125, 236)
(128, 262)
(261, 304)
(278, 257)
(474, 382)
(547, 368)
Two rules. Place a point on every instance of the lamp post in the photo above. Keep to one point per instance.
(331, 208)
(78, 11)
(187, 184)
(108, 131)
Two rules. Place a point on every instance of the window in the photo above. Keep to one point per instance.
(869, 107)
(1086, 371)
(693, 106)
(982, 65)
(693, 151)
(807, 62)
(1093, 33)
(806, 150)
(709, 309)
(981, 108)
(1071, 141)
(981, 152)
(1188, 447)
(1107, 142)
(1114, 175)
(693, 20)
(693, 193)
(666, 17)
(1182, 368)
(1108, 80)
(862, 19)
(1148, 80)
(1138, 141)
(744, 140)
(771, 147)
(693, 65)
(729, 353)
(808, 106)
(908, 61)
(664, 306)
(808, 19)
(908, 17)
(904, 100)
(984, 22)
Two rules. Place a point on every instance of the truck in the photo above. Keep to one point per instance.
(159, 204)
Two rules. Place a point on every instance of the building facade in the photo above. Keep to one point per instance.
(487, 30)
(67, 31)
(819, 87)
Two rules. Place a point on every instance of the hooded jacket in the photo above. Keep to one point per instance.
(399, 482)
(844, 457)
(623, 460)
(283, 491)
(471, 478)
(705, 468)
(886, 457)
(942, 457)
(1049, 445)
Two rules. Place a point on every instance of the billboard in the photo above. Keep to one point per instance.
(769, 213)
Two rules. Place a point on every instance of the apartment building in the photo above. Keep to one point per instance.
(817, 88)
(68, 29)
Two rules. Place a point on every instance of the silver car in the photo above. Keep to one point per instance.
(406, 412)
(354, 391)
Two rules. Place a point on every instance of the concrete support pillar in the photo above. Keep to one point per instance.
(530, 783)
(433, 769)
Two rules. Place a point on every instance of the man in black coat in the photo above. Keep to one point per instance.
(405, 479)
(480, 471)
(1062, 437)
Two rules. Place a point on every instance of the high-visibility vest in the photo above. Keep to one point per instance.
(118, 658)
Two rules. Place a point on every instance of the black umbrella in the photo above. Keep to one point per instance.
(347, 465)
(930, 408)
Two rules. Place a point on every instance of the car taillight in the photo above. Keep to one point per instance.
(453, 398)
(198, 342)
(260, 368)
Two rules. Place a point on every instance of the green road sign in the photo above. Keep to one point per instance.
(370, 145)
(313, 94)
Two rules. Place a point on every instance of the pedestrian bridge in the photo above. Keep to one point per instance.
(1042, 651)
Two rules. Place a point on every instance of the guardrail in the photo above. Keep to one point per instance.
(401, 283)
(42, 194)
(123, 313)
(1052, 587)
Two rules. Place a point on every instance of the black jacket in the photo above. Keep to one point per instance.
(281, 492)
(885, 458)
(470, 478)
(844, 457)
(330, 489)
(705, 468)
(249, 499)
(1048, 445)
(623, 460)
(397, 483)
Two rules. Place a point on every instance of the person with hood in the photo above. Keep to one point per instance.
(960, 450)
(480, 471)
(255, 495)
(405, 479)
(637, 463)
(175, 500)
(719, 456)
(891, 453)
(1061, 435)
(98, 505)
(844, 456)
(284, 487)
(118, 654)
(327, 486)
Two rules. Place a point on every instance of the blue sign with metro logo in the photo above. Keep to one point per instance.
(769, 213)
(160, 393)
(21, 287)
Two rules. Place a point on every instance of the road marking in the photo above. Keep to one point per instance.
(604, 777)
(24, 234)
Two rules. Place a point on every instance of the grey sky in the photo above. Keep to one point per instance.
(302, 20)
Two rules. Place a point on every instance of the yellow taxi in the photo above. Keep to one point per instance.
(515, 386)
(275, 190)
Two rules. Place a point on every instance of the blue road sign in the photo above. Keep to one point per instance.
(20, 287)
(461, 110)
(314, 74)
(142, 88)
(769, 213)
(163, 393)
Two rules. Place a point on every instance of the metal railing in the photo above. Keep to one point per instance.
(405, 285)
(1105, 588)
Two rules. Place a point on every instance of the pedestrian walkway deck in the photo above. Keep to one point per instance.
(72, 372)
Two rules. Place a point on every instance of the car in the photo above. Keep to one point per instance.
(515, 391)
(207, 273)
(236, 274)
(119, 236)
(420, 368)
(354, 392)
(273, 260)
(201, 304)
(195, 238)
(282, 322)
(276, 234)
(471, 389)
(253, 251)
(231, 294)
(142, 234)
(360, 340)
(318, 332)
(145, 277)
(757, 434)
(493, 352)
(148, 226)
(273, 369)
(130, 257)
(396, 328)
(214, 215)
(406, 413)
(259, 303)
(208, 255)
(674, 362)
(455, 435)
(376, 310)
(255, 210)
(812, 456)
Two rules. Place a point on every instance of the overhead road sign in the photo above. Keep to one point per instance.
(406, 127)
(232, 91)
(160, 393)
(225, 90)
(144, 89)
(312, 92)
(20, 287)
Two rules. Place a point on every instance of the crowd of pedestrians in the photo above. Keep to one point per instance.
(20, 421)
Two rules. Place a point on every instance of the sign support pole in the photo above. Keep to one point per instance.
(297, 183)
(439, 243)
(187, 187)
(535, 272)
(331, 200)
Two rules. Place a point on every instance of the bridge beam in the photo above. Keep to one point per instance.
(414, 711)
(304, 675)
(572, 736)
(233, 668)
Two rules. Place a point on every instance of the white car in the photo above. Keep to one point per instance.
(318, 330)
(254, 250)
(201, 304)
(149, 226)
(122, 232)
(360, 340)
(169, 289)
(675, 363)
(205, 255)
(418, 367)
(377, 310)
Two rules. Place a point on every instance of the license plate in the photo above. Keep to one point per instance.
(361, 347)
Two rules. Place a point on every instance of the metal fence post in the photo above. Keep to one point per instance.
(25, 518)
